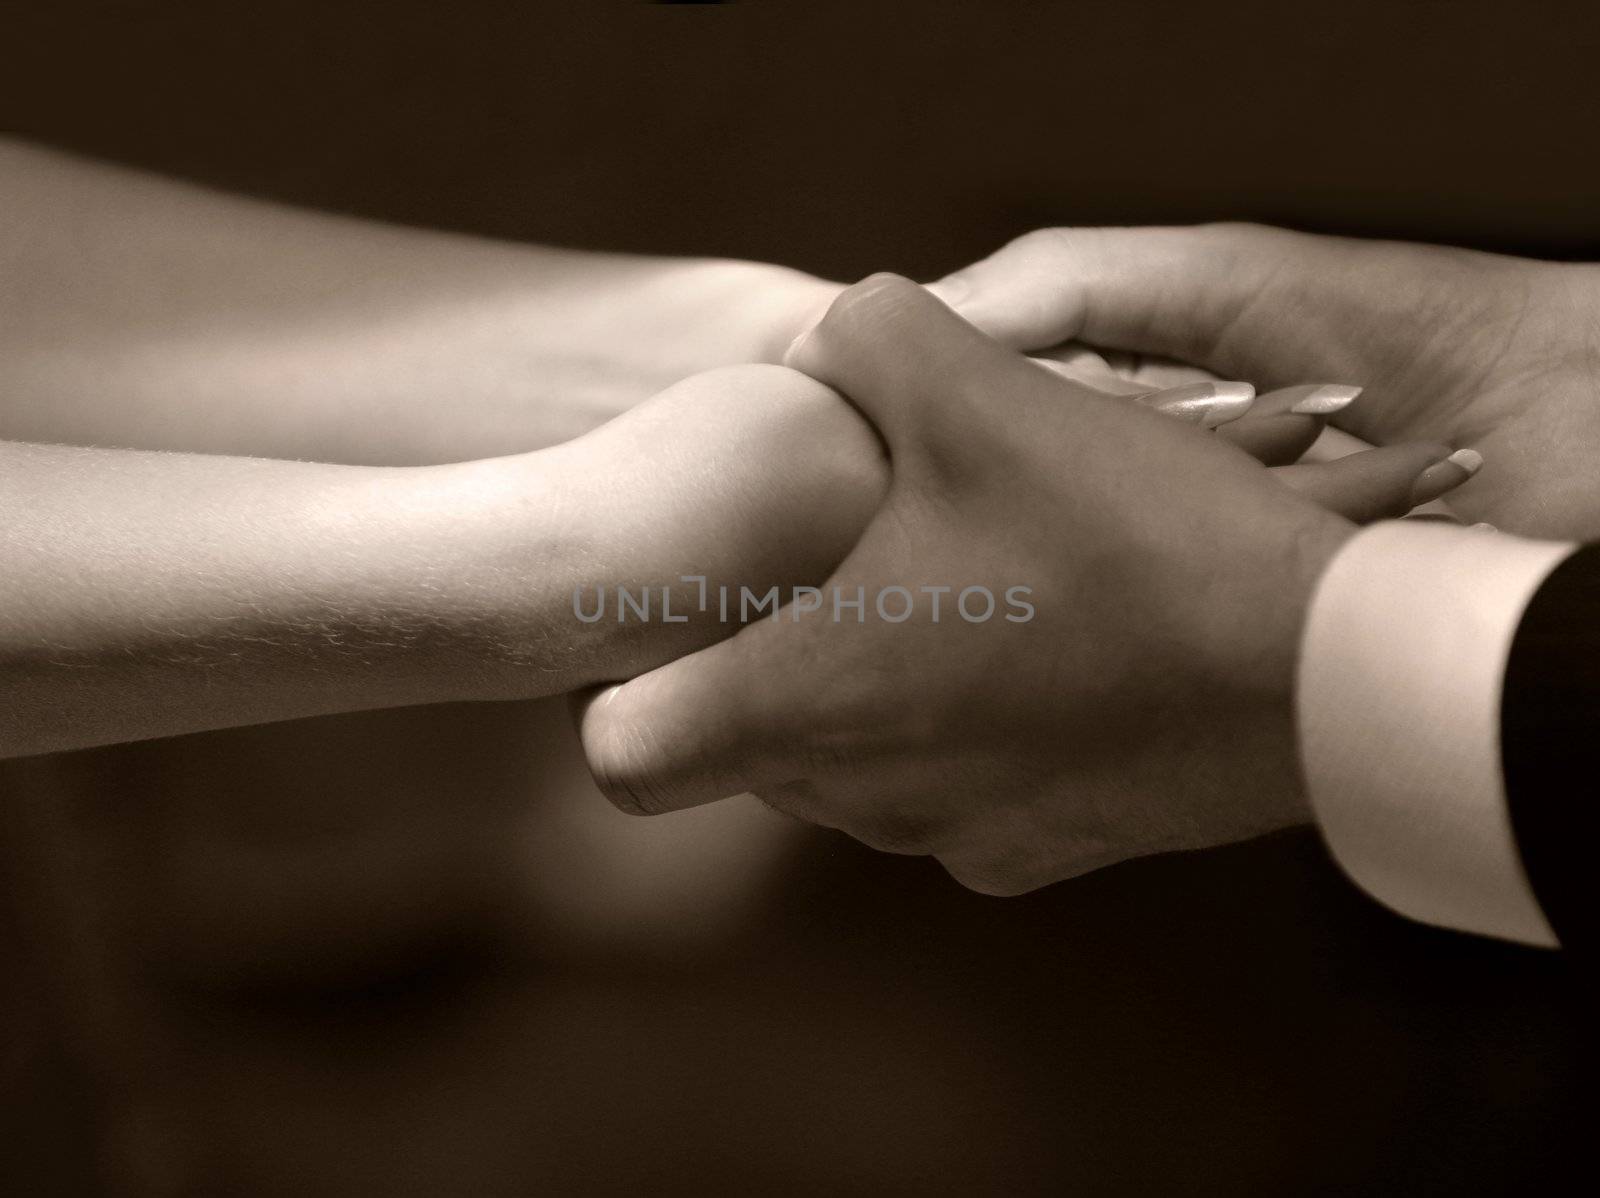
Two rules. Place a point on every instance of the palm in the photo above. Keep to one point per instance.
(1472, 351)
(1466, 348)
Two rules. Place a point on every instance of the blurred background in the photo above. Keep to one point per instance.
(193, 999)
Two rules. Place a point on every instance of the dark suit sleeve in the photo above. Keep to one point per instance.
(1550, 746)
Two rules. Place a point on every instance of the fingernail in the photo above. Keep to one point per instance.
(1445, 476)
(1205, 404)
(1325, 400)
(1483, 526)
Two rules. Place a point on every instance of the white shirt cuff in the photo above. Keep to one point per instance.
(1401, 671)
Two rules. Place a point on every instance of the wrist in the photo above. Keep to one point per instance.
(1255, 656)
(788, 302)
(749, 476)
(1311, 554)
(727, 312)
(526, 543)
(595, 334)
(491, 547)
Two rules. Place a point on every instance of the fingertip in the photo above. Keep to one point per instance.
(1374, 484)
(626, 733)
(1445, 474)
(715, 723)
(1230, 402)
(1209, 404)
(1325, 400)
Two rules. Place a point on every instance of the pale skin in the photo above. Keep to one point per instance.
(1146, 708)
(168, 353)
(151, 594)
(143, 313)
(146, 315)
(203, 322)
(1466, 348)
(1474, 349)
(136, 313)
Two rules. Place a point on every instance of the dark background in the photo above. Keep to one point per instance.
(1238, 1022)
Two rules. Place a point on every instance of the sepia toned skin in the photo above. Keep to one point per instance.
(172, 568)
(1452, 345)
(1017, 752)
(1474, 349)
(144, 313)
(156, 594)
(139, 312)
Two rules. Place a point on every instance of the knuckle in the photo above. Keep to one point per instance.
(1053, 244)
(896, 830)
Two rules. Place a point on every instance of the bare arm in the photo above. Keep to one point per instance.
(139, 312)
(151, 594)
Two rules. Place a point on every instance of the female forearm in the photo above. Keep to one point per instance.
(152, 594)
(143, 313)
(149, 594)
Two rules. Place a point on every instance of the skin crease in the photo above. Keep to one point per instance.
(1472, 349)
(154, 314)
(748, 475)
(1017, 754)
(266, 590)
(753, 473)
(135, 304)
(250, 871)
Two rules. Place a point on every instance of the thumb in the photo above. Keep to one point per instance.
(1218, 296)
(704, 727)
(911, 366)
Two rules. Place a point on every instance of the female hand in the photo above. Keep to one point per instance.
(1454, 346)
(758, 476)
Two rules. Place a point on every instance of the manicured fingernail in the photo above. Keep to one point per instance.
(1483, 526)
(1205, 404)
(1445, 476)
(1325, 400)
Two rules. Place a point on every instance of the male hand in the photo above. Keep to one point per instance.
(1496, 353)
(1145, 706)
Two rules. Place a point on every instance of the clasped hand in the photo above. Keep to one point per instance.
(1144, 706)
